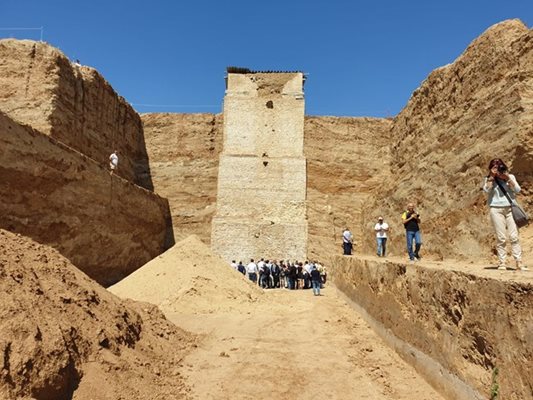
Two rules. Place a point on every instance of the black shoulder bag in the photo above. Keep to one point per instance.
(519, 215)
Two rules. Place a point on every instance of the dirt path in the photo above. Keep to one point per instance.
(293, 345)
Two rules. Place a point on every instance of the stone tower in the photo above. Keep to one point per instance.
(261, 210)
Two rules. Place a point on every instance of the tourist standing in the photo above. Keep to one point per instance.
(251, 269)
(292, 276)
(241, 268)
(347, 242)
(411, 222)
(381, 229)
(316, 281)
(113, 161)
(501, 187)
(275, 272)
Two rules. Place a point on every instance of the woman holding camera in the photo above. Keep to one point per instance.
(498, 180)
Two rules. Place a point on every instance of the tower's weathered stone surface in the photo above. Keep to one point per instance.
(261, 196)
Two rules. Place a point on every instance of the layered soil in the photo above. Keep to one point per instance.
(57, 196)
(464, 320)
(74, 104)
(183, 151)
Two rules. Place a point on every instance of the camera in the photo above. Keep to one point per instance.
(502, 169)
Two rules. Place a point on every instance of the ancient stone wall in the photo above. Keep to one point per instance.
(105, 225)
(454, 326)
(39, 86)
(346, 158)
(262, 172)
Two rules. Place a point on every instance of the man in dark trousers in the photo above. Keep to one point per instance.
(411, 221)
(347, 242)
(316, 280)
(276, 271)
(241, 268)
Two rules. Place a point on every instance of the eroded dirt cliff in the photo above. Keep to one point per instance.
(74, 104)
(103, 224)
(347, 158)
(183, 151)
(469, 319)
(464, 114)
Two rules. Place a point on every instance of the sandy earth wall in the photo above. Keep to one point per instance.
(184, 151)
(74, 104)
(467, 323)
(464, 114)
(105, 225)
(346, 158)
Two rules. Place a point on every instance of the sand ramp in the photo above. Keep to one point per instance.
(188, 278)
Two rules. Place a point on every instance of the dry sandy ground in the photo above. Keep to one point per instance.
(277, 344)
(293, 345)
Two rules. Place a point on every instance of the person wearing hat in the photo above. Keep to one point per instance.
(381, 229)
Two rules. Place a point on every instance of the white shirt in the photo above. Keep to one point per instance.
(308, 267)
(114, 159)
(381, 229)
(347, 236)
(251, 268)
(496, 197)
(234, 265)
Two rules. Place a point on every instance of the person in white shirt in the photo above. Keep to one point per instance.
(347, 242)
(234, 265)
(381, 229)
(252, 270)
(502, 187)
(113, 161)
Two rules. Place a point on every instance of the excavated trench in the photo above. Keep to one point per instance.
(454, 324)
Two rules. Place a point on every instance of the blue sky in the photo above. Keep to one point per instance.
(363, 58)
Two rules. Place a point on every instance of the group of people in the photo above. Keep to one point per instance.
(501, 187)
(284, 274)
(411, 221)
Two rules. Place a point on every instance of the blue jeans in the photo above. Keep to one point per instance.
(410, 236)
(316, 287)
(253, 277)
(291, 283)
(382, 246)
